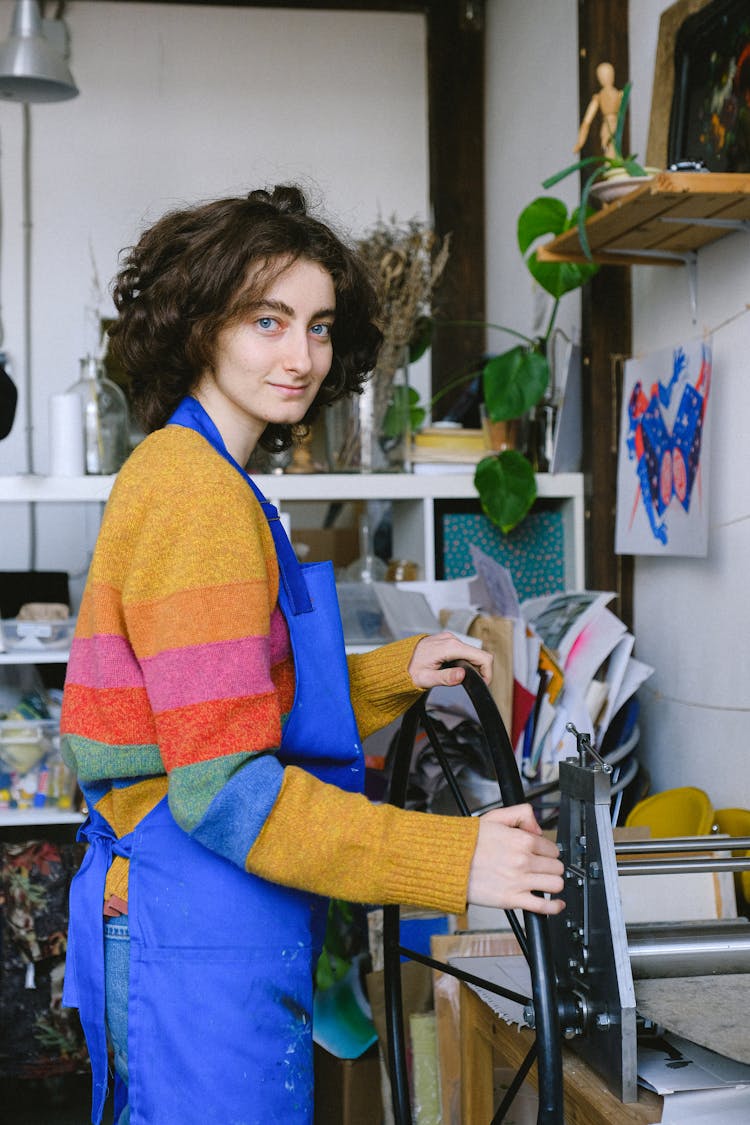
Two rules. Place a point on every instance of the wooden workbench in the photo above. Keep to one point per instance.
(486, 1039)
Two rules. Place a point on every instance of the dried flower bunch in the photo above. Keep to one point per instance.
(407, 261)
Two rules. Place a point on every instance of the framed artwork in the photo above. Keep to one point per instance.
(697, 80)
(710, 113)
(662, 468)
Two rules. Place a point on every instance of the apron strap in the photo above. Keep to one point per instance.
(192, 415)
(84, 964)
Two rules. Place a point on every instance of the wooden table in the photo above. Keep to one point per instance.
(486, 1039)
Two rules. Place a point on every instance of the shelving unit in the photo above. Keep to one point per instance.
(666, 221)
(13, 818)
(413, 494)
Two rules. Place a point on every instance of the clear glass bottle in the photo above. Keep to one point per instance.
(105, 418)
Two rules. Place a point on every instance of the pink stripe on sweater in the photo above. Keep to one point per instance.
(223, 670)
(103, 661)
(280, 645)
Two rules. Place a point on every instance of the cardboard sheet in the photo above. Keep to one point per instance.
(710, 1010)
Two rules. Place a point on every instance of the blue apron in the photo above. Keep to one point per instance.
(221, 962)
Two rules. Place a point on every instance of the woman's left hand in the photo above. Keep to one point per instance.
(426, 667)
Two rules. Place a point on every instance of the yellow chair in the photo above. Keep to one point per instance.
(736, 822)
(675, 812)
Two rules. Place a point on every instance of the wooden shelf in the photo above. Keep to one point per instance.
(666, 221)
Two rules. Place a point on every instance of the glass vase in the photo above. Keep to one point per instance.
(104, 411)
(371, 432)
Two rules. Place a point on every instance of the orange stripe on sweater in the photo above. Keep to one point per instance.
(101, 611)
(204, 731)
(116, 716)
(199, 616)
(190, 617)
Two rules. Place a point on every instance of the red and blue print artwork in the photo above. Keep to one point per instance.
(662, 477)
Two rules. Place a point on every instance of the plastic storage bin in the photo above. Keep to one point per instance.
(37, 636)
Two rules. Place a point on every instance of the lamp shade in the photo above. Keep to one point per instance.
(31, 69)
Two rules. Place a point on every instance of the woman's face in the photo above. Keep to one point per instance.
(269, 365)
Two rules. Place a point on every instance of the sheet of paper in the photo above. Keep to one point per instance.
(510, 972)
(636, 673)
(442, 594)
(406, 612)
(498, 583)
(673, 1064)
(591, 648)
(560, 618)
(707, 1107)
(616, 667)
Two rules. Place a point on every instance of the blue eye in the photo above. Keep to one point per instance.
(321, 330)
(266, 323)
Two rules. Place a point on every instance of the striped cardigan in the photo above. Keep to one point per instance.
(181, 676)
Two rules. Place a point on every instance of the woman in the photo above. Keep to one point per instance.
(209, 710)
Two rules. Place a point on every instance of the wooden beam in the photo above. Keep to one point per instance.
(606, 327)
(456, 98)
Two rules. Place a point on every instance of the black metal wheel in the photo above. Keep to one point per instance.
(533, 937)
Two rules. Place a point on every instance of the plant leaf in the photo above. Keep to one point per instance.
(547, 215)
(544, 215)
(559, 278)
(621, 114)
(579, 164)
(583, 213)
(633, 168)
(514, 382)
(507, 488)
(403, 412)
(421, 337)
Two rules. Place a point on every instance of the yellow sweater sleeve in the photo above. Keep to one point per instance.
(340, 844)
(380, 685)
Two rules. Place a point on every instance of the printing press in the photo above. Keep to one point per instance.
(584, 962)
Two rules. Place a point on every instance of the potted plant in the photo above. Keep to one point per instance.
(516, 381)
(608, 165)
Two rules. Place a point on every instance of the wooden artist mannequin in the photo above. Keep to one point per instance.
(607, 102)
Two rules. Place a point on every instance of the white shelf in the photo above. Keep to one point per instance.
(10, 818)
(35, 656)
(31, 488)
(413, 494)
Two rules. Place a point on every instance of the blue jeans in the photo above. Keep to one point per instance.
(116, 976)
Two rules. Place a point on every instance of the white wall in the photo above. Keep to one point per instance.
(692, 621)
(180, 103)
(692, 616)
(532, 123)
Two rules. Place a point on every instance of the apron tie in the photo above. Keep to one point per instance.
(84, 964)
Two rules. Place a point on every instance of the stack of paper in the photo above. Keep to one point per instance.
(563, 658)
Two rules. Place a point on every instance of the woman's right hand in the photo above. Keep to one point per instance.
(512, 859)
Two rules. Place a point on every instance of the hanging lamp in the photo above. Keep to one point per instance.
(31, 68)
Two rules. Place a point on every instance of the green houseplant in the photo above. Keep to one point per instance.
(516, 381)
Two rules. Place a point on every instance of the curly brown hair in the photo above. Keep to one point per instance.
(197, 270)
